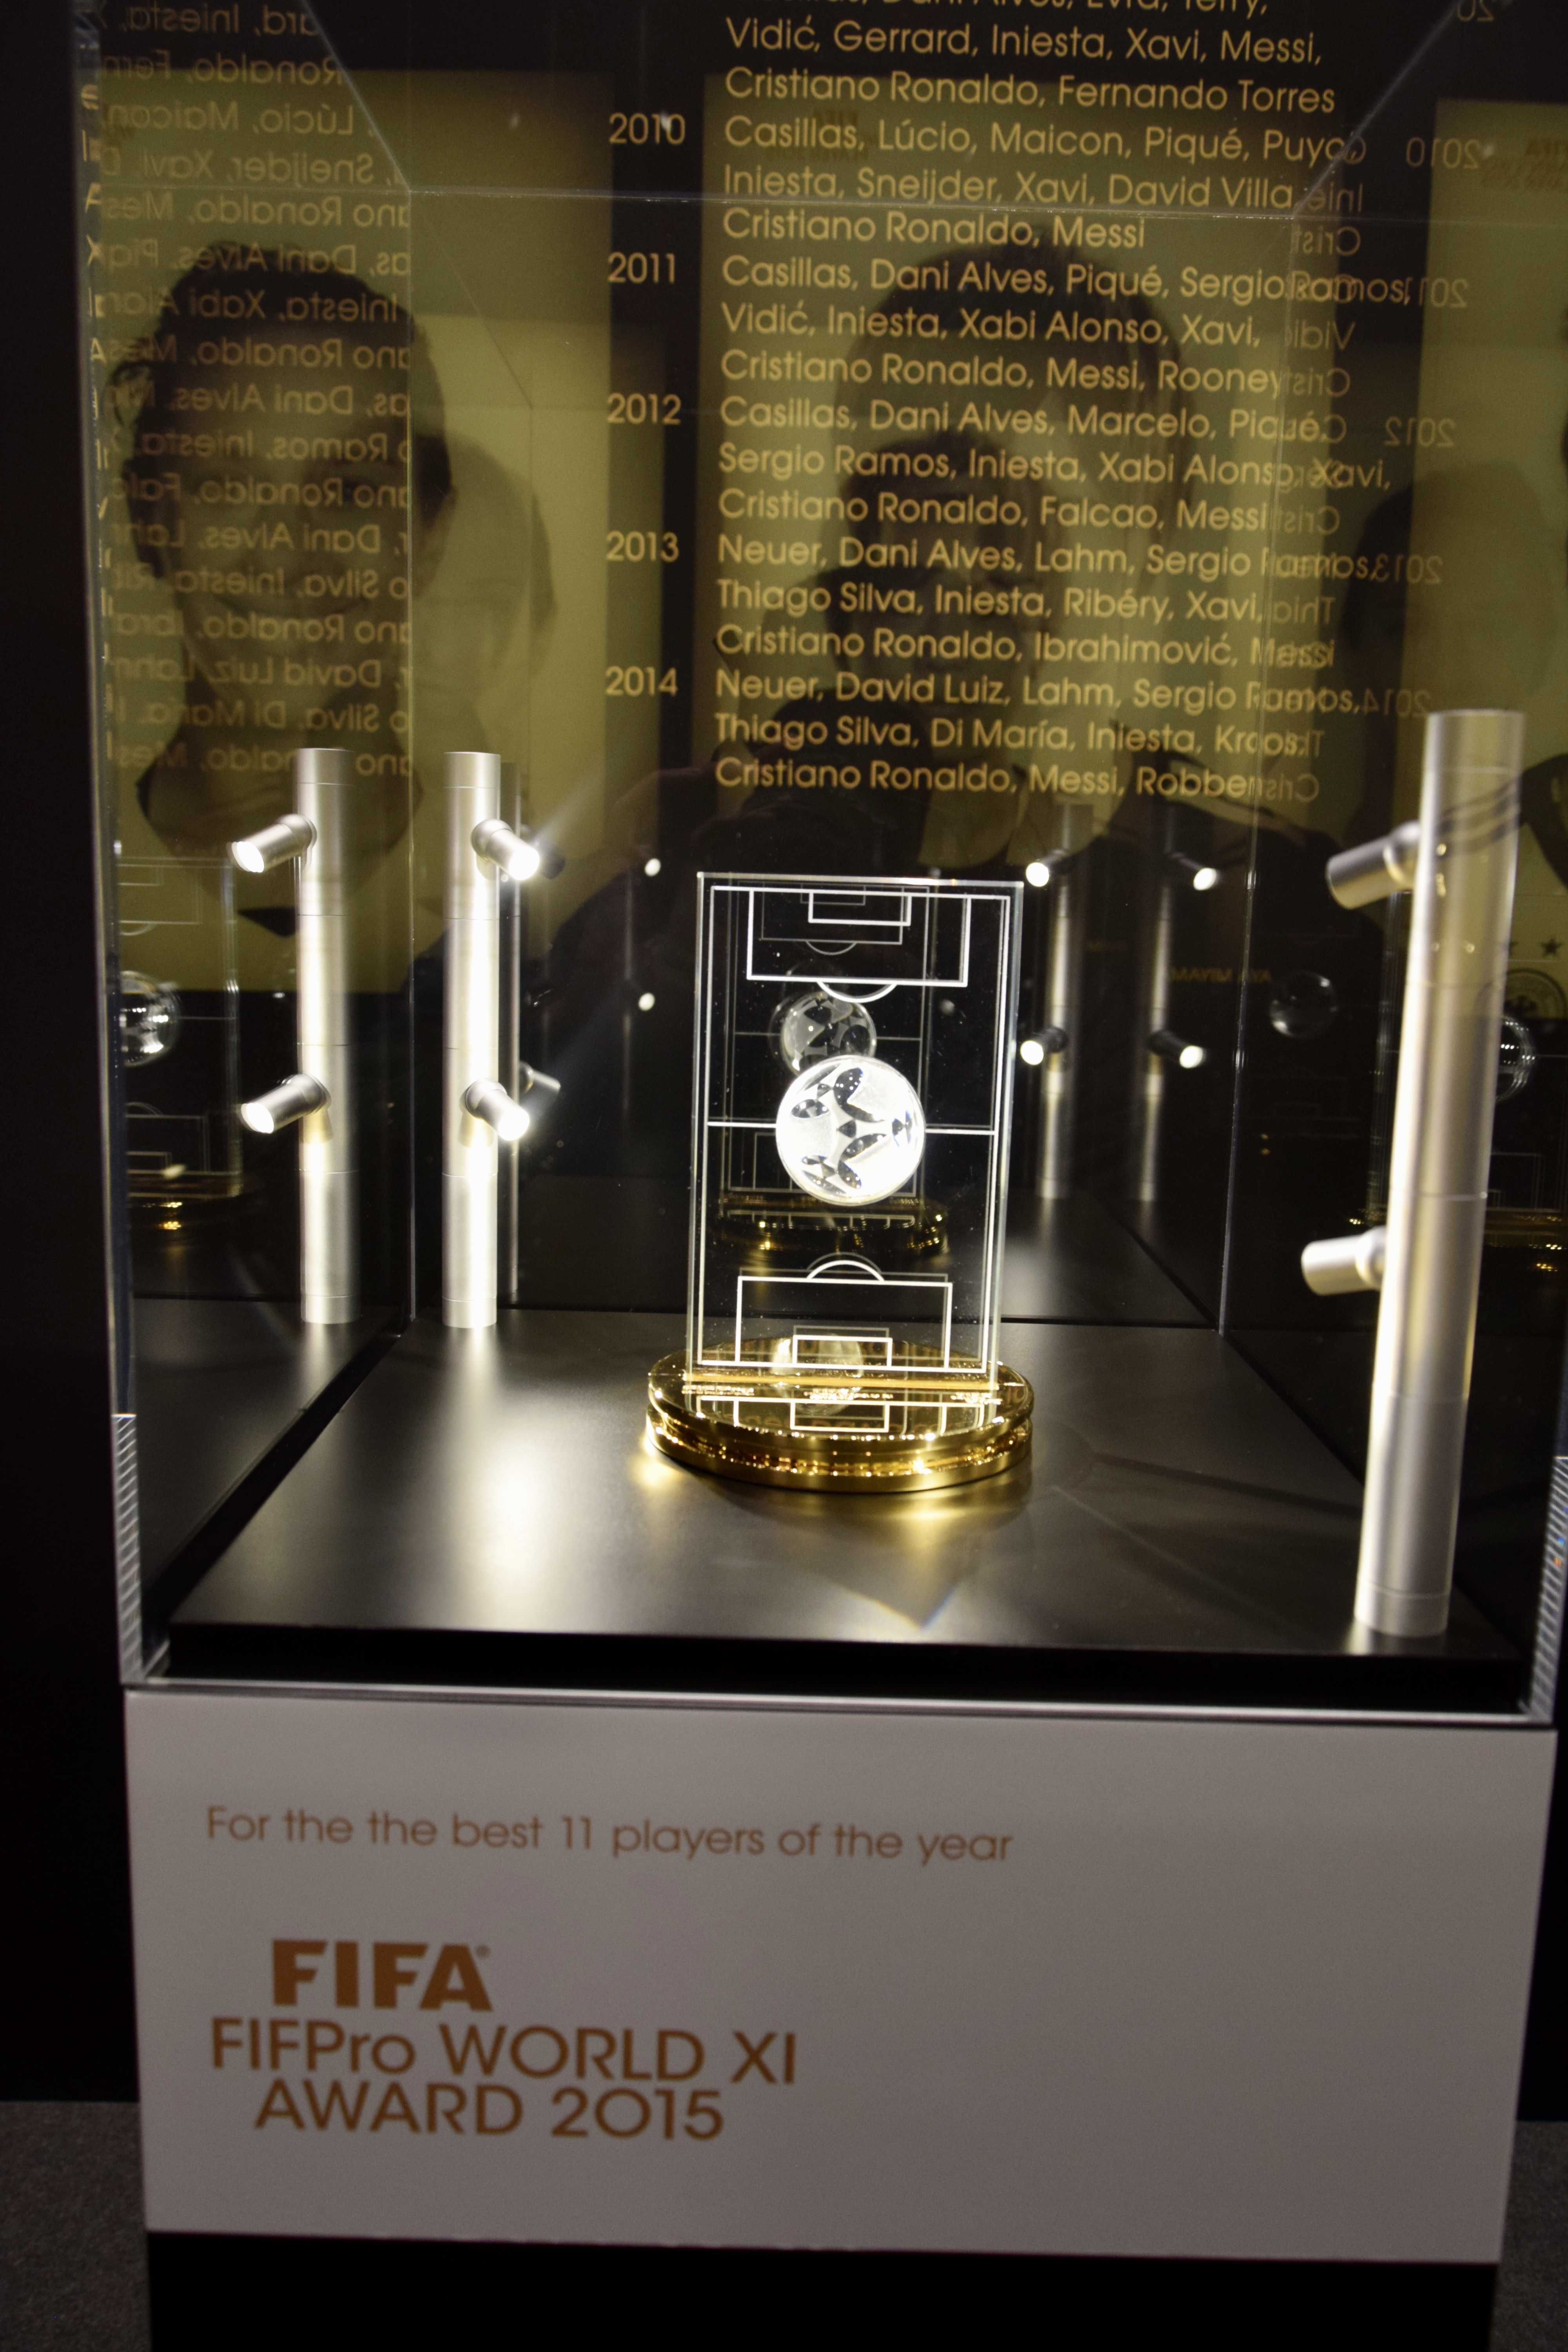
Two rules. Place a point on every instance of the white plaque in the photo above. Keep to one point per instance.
(807, 1976)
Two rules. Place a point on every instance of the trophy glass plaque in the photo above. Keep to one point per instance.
(851, 1104)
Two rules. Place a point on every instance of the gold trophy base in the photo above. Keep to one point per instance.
(755, 1440)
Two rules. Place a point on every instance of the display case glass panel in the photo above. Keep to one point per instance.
(1053, 469)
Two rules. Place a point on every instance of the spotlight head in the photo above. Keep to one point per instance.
(275, 845)
(1037, 872)
(1041, 1046)
(1196, 872)
(519, 852)
(1376, 869)
(516, 854)
(646, 1001)
(280, 1106)
(652, 866)
(489, 1100)
(1180, 1050)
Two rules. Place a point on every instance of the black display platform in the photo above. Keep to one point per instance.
(218, 1382)
(487, 1510)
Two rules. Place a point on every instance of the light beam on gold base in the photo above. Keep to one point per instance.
(822, 1432)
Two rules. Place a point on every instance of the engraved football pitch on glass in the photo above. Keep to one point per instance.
(809, 1029)
(850, 1129)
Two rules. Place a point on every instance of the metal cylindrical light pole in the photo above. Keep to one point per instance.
(1058, 1078)
(1455, 983)
(469, 1146)
(329, 1153)
(513, 914)
(1150, 1068)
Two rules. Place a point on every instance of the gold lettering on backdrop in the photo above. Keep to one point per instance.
(988, 382)
(1033, 431)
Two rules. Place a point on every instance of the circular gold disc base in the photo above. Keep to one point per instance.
(840, 1460)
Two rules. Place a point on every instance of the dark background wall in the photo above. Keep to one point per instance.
(65, 1957)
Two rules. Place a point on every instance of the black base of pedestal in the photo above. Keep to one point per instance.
(487, 1510)
(251, 2294)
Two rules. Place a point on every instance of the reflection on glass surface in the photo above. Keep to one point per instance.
(988, 467)
(148, 1018)
(272, 480)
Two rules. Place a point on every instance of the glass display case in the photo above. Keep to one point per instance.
(731, 652)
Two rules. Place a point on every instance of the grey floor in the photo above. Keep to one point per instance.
(1532, 2310)
(73, 2274)
(73, 2265)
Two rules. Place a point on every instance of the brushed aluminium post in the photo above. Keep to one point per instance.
(513, 921)
(469, 1147)
(1151, 1077)
(1453, 989)
(1064, 952)
(328, 1155)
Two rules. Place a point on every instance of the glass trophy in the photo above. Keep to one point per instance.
(851, 1106)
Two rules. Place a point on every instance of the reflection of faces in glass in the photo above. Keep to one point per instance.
(495, 562)
(293, 555)
(945, 590)
(1482, 638)
(288, 483)
(1063, 527)
(1456, 598)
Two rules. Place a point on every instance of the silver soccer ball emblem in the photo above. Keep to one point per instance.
(850, 1130)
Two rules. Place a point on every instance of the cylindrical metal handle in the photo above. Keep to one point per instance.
(1351, 1262)
(487, 1099)
(1181, 1051)
(472, 1013)
(1151, 1065)
(280, 1106)
(1359, 877)
(1455, 983)
(329, 1153)
(517, 858)
(275, 845)
(1058, 1079)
